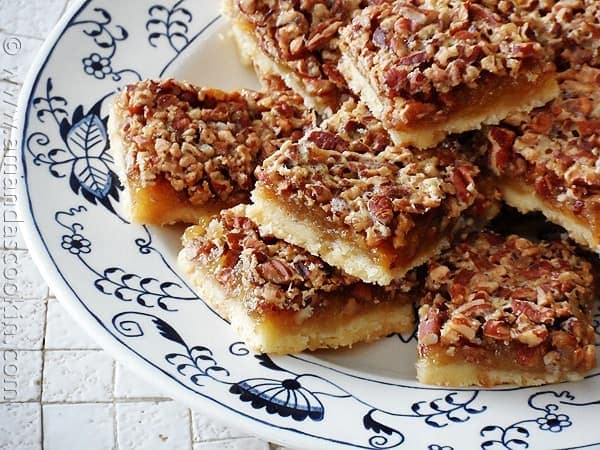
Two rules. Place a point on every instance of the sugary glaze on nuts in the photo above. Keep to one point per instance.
(509, 304)
(568, 29)
(271, 276)
(574, 26)
(347, 178)
(302, 36)
(556, 149)
(425, 51)
(204, 142)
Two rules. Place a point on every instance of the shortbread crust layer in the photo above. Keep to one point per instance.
(524, 198)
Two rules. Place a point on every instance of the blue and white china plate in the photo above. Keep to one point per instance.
(121, 283)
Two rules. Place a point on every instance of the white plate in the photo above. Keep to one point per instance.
(121, 283)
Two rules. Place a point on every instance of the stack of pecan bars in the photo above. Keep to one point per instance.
(360, 183)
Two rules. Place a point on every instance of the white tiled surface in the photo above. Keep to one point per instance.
(153, 425)
(93, 422)
(59, 390)
(20, 426)
(77, 376)
(63, 332)
(128, 385)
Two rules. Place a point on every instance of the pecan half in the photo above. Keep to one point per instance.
(276, 271)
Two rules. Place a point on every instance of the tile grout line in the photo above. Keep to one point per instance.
(23, 36)
(91, 402)
(191, 428)
(114, 403)
(64, 8)
(43, 349)
(105, 402)
(56, 350)
(51, 350)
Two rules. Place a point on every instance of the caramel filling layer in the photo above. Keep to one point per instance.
(492, 91)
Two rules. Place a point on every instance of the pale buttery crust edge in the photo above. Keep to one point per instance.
(251, 55)
(273, 219)
(525, 199)
(332, 329)
(118, 150)
(156, 204)
(532, 96)
(465, 374)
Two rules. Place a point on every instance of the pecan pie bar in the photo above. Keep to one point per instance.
(186, 151)
(375, 210)
(549, 161)
(281, 299)
(297, 41)
(428, 68)
(505, 310)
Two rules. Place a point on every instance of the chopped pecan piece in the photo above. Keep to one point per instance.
(430, 327)
(382, 208)
(276, 271)
(535, 313)
(501, 142)
(497, 329)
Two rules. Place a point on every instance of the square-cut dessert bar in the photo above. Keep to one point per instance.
(505, 310)
(549, 161)
(186, 152)
(281, 299)
(297, 41)
(428, 68)
(375, 210)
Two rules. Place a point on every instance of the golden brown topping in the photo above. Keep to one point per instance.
(568, 29)
(489, 289)
(271, 274)
(204, 142)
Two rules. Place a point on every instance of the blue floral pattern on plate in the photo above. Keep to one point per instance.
(122, 284)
